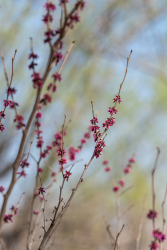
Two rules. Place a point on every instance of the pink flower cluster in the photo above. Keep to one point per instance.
(19, 120)
(46, 99)
(107, 168)
(8, 217)
(158, 235)
(67, 175)
(2, 189)
(99, 148)
(38, 132)
(23, 164)
(41, 190)
(58, 140)
(36, 78)
(7, 103)
(152, 214)
(121, 182)
(129, 166)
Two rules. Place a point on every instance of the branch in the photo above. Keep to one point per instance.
(118, 237)
(153, 190)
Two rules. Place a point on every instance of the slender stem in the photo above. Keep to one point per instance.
(153, 188)
(118, 237)
(163, 217)
(140, 226)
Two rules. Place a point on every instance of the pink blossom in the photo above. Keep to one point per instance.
(37, 81)
(11, 91)
(119, 99)
(14, 209)
(99, 148)
(2, 114)
(154, 246)
(38, 115)
(32, 55)
(152, 214)
(49, 147)
(32, 65)
(75, 18)
(40, 170)
(83, 141)
(35, 212)
(105, 162)
(53, 174)
(116, 188)
(112, 110)
(62, 161)
(6, 103)
(43, 154)
(46, 99)
(158, 235)
(8, 217)
(24, 163)
(22, 173)
(38, 132)
(126, 170)
(109, 122)
(61, 152)
(67, 175)
(87, 135)
(72, 151)
(37, 124)
(80, 4)
(64, 1)
(50, 6)
(12, 105)
(107, 169)
(2, 127)
(57, 76)
(132, 160)
(2, 189)
(94, 121)
(95, 128)
(54, 88)
(58, 136)
(39, 143)
(122, 183)
(47, 18)
(58, 56)
(41, 190)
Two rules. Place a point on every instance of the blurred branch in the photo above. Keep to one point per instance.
(153, 189)
(140, 225)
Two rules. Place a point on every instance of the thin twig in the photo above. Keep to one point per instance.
(163, 217)
(126, 190)
(131, 232)
(109, 232)
(118, 237)
(153, 189)
(118, 215)
(126, 211)
(140, 225)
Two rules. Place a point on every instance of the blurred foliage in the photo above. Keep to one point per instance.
(93, 72)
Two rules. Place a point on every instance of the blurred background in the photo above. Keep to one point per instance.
(108, 30)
